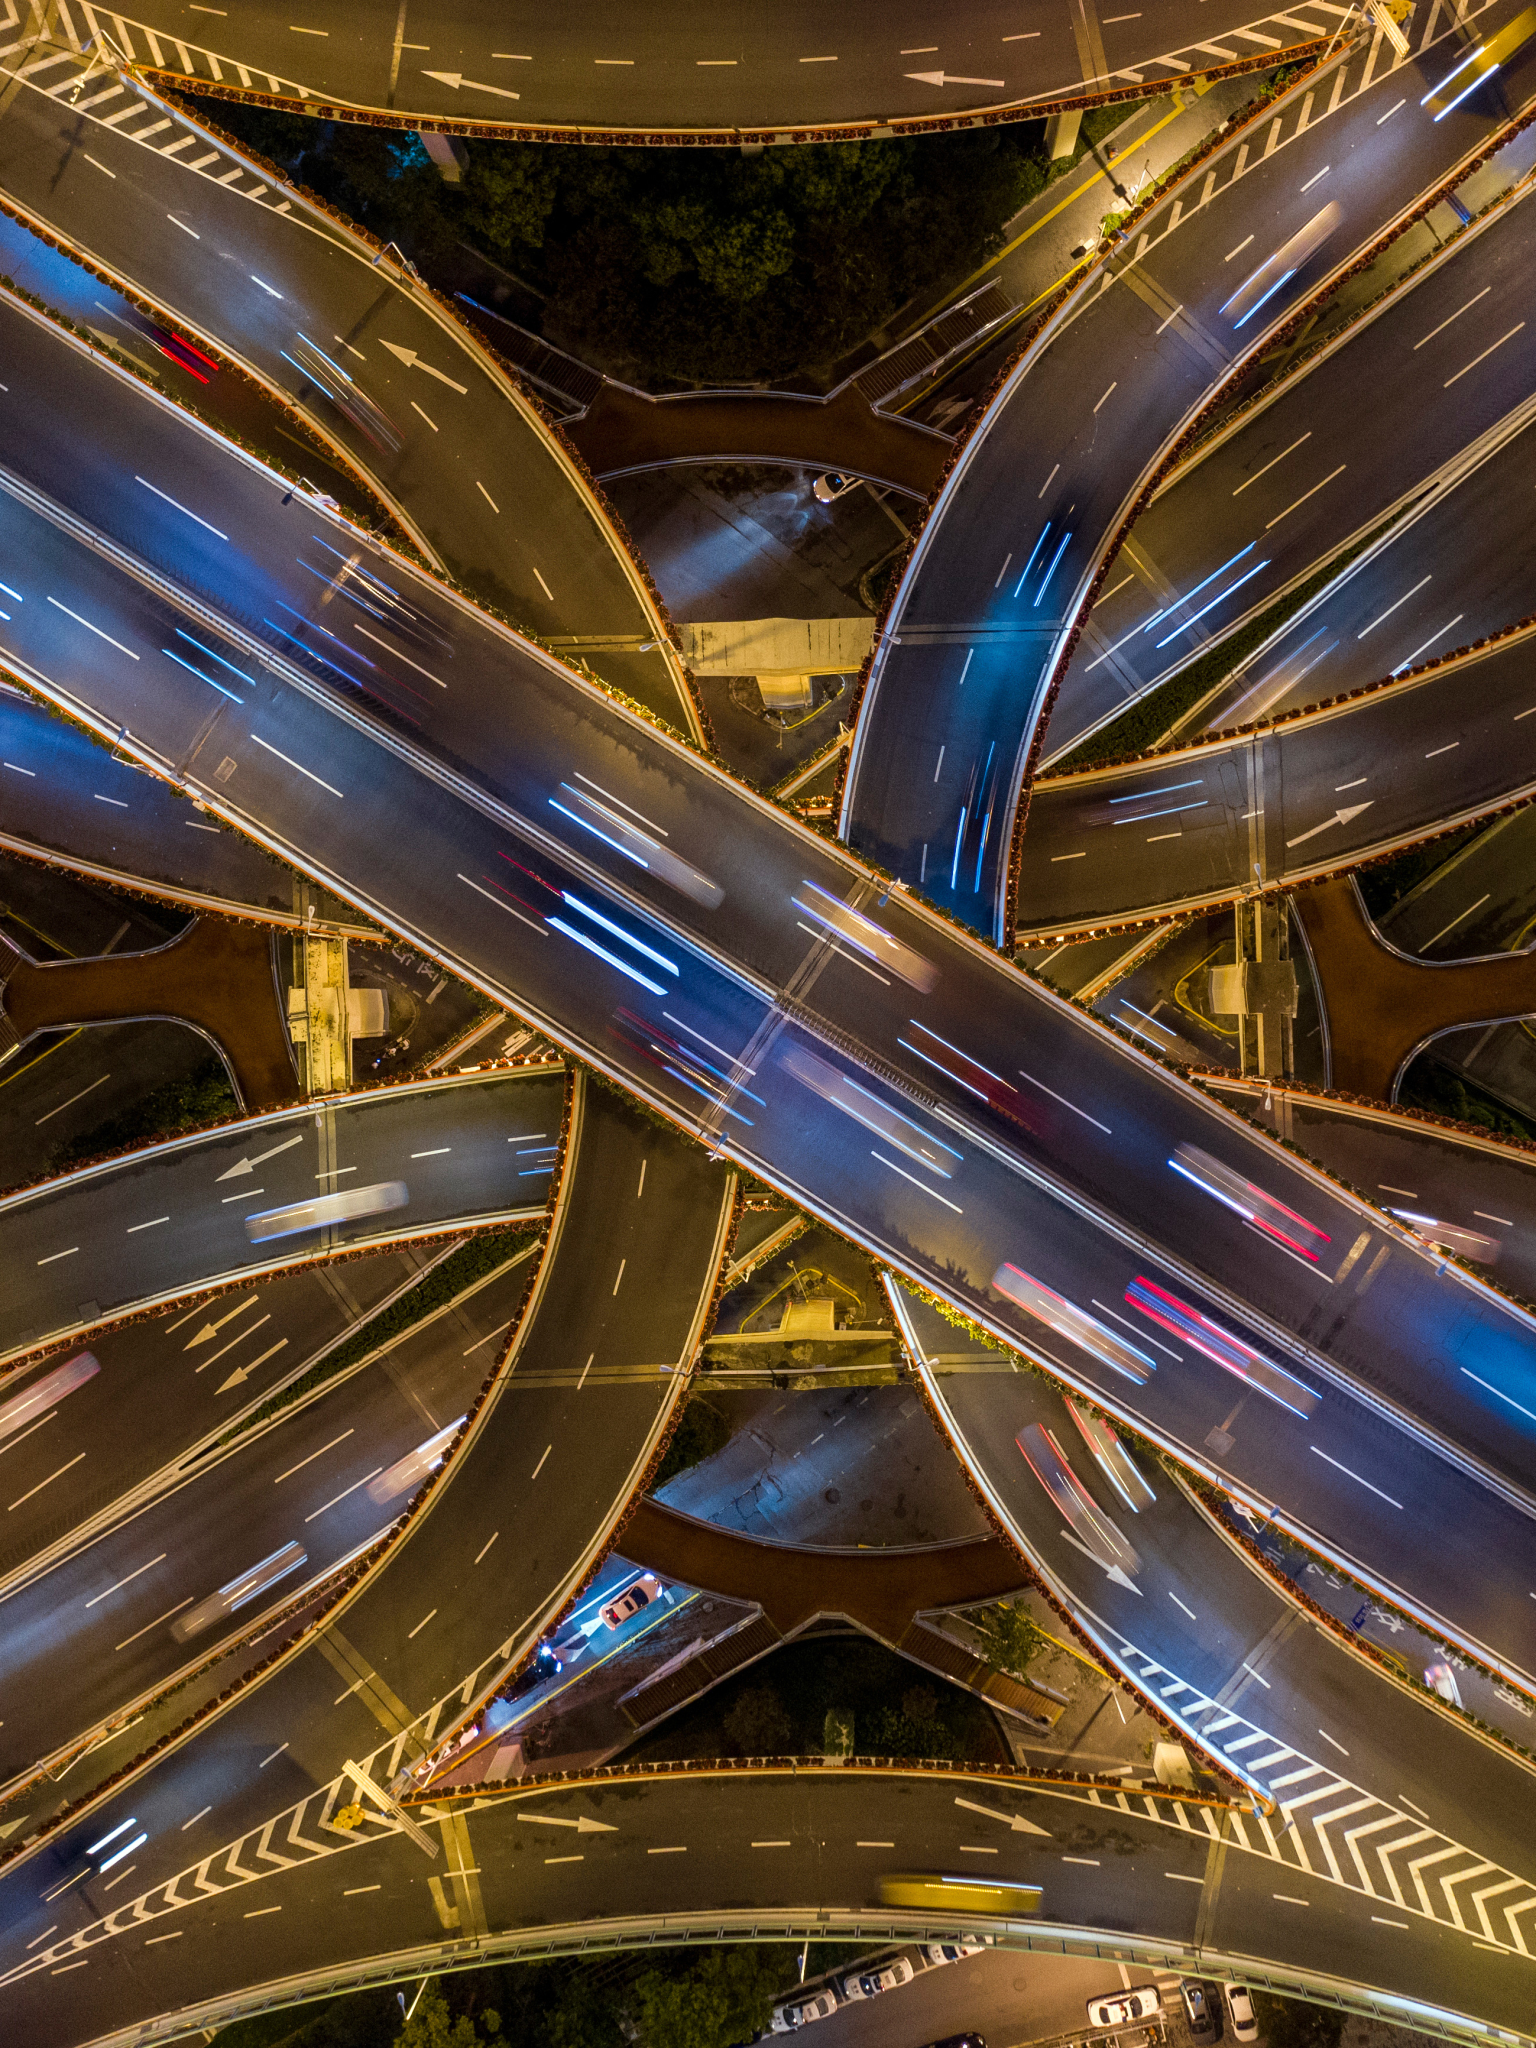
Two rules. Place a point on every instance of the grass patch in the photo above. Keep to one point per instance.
(1146, 721)
(203, 1096)
(471, 1262)
(780, 1708)
(702, 1431)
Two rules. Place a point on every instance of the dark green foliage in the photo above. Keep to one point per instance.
(719, 1998)
(781, 1705)
(702, 1431)
(362, 2021)
(433, 2025)
(203, 1096)
(1430, 1085)
(686, 267)
(1010, 1635)
(1292, 2023)
(480, 1255)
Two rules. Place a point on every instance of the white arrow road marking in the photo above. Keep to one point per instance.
(211, 1330)
(454, 80)
(1340, 817)
(1015, 1821)
(583, 1825)
(412, 361)
(949, 78)
(238, 1379)
(250, 1165)
(1111, 1571)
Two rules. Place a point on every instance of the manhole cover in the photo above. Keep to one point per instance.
(832, 1495)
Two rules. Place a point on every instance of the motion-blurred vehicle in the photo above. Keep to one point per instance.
(605, 820)
(53, 1386)
(345, 393)
(239, 1592)
(865, 936)
(832, 485)
(407, 1473)
(941, 1892)
(883, 1977)
(1075, 1324)
(716, 1083)
(1450, 1237)
(545, 1663)
(799, 2012)
(974, 1078)
(1180, 1319)
(1262, 1211)
(868, 1109)
(937, 1953)
(1112, 1458)
(1201, 2009)
(1245, 2025)
(631, 1600)
(1271, 276)
(1084, 1517)
(1115, 2008)
(1479, 65)
(344, 1206)
(1440, 1678)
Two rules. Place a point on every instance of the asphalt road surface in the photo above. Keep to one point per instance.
(593, 66)
(482, 878)
(374, 358)
(1317, 466)
(162, 1222)
(1316, 793)
(593, 1377)
(669, 1851)
(1009, 555)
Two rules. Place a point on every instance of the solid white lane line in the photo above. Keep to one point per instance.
(1181, 1877)
(79, 621)
(485, 1547)
(1487, 352)
(335, 1440)
(1337, 1745)
(540, 1465)
(342, 1496)
(507, 907)
(1435, 752)
(70, 1104)
(1328, 479)
(1487, 288)
(1087, 1119)
(1179, 1603)
(1391, 608)
(1271, 463)
(134, 1228)
(144, 480)
(295, 764)
(131, 1576)
(48, 1482)
(1391, 1503)
(416, 1631)
(916, 1182)
(144, 1631)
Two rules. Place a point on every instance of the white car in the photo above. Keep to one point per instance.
(884, 1977)
(833, 485)
(799, 2012)
(631, 1600)
(1117, 2008)
(1245, 2026)
(936, 1952)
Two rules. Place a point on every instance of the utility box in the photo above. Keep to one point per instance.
(1259, 988)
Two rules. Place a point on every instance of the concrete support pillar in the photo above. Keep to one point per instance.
(447, 152)
(1061, 133)
(1259, 988)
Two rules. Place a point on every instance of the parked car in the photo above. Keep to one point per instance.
(832, 486)
(798, 2012)
(883, 1977)
(631, 1600)
(1115, 2008)
(1245, 2026)
(1201, 2009)
(936, 1952)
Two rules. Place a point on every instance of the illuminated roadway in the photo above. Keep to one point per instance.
(1009, 557)
(1085, 1138)
(1029, 1175)
(594, 67)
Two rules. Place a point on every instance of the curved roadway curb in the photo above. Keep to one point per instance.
(360, 1573)
(721, 138)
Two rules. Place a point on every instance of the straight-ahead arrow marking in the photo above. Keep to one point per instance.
(454, 80)
(250, 1165)
(949, 78)
(1110, 1571)
(1015, 1821)
(412, 361)
(239, 1378)
(211, 1330)
(1339, 818)
(582, 1826)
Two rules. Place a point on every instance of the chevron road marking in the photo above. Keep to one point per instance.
(1312, 1830)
